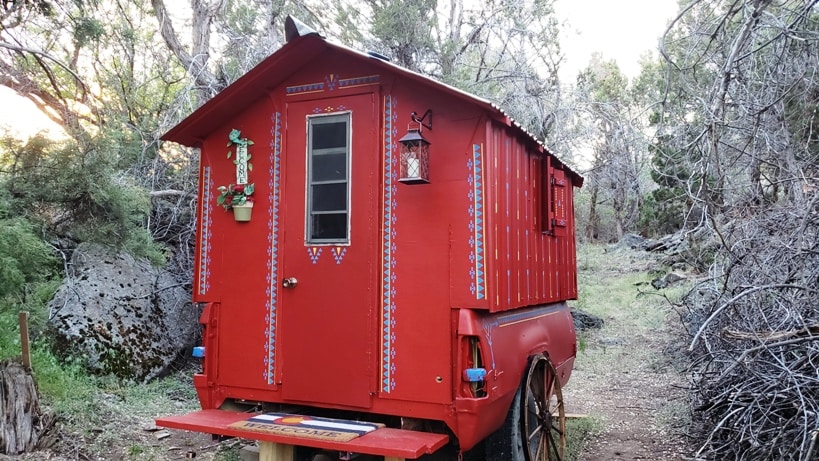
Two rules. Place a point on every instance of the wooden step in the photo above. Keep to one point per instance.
(388, 442)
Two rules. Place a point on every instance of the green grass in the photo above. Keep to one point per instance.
(578, 431)
(103, 416)
(228, 452)
(615, 285)
(135, 450)
(65, 387)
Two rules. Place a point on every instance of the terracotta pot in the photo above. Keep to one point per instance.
(242, 212)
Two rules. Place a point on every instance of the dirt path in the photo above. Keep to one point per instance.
(624, 378)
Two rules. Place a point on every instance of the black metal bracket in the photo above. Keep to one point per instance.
(420, 121)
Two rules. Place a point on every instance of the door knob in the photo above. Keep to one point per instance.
(290, 282)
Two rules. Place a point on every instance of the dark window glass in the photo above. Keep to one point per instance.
(331, 226)
(330, 167)
(330, 197)
(328, 135)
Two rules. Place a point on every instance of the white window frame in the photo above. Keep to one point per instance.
(312, 120)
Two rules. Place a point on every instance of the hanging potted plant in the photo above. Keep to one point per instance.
(237, 197)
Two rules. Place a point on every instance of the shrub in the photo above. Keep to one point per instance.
(24, 257)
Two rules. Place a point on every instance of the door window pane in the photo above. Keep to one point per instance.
(332, 226)
(330, 197)
(330, 167)
(328, 201)
(329, 134)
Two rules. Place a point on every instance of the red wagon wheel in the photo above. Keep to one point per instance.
(543, 417)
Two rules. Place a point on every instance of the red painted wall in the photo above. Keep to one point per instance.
(527, 265)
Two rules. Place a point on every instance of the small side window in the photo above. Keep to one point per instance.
(328, 179)
(554, 199)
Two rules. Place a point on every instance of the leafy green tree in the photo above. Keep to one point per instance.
(507, 52)
(80, 195)
(405, 28)
(739, 100)
(100, 71)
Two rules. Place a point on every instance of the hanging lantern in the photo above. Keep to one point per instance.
(415, 154)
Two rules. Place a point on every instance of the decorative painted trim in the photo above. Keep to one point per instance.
(338, 253)
(274, 195)
(331, 83)
(388, 248)
(358, 81)
(314, 253)
(305, 88)
(489, 325)
(520, 317)
(326, 109)
(477, 270)
(206, 231)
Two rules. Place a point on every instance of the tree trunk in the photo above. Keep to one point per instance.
(22, 424)
(591, 225)
(755, 179)
(619, 228)
(196, 62)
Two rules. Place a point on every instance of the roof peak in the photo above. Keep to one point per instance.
(293, 28)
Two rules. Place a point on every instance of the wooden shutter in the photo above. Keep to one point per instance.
(560, 204)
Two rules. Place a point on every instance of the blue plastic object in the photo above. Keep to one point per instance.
(474, 375)
(199, 351)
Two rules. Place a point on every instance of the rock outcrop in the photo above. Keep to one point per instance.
(122, 316)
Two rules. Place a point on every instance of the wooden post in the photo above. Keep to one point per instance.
(24, 342)
(269, 451)
(392, 458)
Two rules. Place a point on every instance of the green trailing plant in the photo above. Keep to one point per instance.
(234, 195)
(235, 139)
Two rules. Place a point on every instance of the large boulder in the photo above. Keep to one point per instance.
(122, 316)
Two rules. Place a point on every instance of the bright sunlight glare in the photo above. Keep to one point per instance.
(22, 119)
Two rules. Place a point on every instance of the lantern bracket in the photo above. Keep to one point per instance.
(420, 121)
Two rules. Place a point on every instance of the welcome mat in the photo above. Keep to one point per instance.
(307, 427)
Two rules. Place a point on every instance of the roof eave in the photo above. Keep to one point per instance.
(297, 53)
(192, 130)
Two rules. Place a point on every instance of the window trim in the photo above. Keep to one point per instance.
(546, 196)
(331, 117)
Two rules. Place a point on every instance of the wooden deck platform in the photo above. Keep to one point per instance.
(393, 444)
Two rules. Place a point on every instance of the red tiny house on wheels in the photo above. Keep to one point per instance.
(370, 281)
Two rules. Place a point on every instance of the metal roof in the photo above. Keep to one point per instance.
(298, 52)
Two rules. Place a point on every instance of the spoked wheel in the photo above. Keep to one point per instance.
(535, 426)
(543, 416)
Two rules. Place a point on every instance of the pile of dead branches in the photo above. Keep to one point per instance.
(755, 339)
